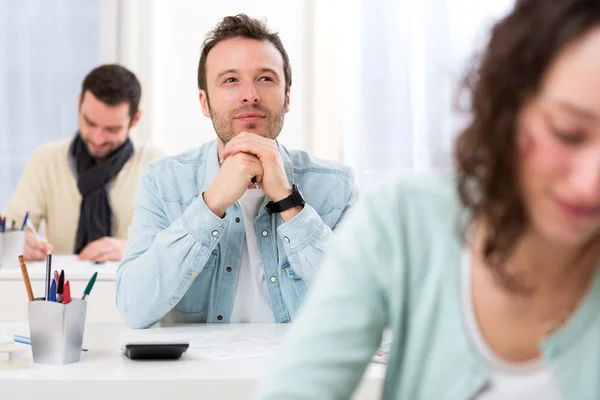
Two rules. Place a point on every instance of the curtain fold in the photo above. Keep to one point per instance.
(397, 67)
(46, 48)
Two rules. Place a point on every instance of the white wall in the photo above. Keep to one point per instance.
(162, 42)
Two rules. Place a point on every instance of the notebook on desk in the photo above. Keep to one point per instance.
(11, 357)
(7, 342)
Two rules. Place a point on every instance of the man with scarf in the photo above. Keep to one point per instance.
(83, 187)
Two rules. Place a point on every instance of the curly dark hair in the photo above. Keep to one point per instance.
(243, 26)
(521, 48)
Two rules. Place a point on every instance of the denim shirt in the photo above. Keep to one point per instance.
(181, 261)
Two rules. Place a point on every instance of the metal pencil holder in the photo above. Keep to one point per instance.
(56, 331)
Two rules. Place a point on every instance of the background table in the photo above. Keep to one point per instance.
(101, 307)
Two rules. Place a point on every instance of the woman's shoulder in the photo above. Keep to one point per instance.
(423, 195)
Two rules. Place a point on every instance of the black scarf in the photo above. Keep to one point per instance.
(95, 218)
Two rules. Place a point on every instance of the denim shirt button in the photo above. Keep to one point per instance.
(273, 279)
(265, 233)
(287, 239)
(194, 273)
(220, 317)
(215, 233)
(228, 269)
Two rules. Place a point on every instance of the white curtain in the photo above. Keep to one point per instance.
(397, 65)
(46, 48)
(374, 80)
(161, 41)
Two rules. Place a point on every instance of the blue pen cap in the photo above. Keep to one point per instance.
(53, 290)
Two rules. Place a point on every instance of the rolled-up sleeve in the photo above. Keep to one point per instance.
(304, 236)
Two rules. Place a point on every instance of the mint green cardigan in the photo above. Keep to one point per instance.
(395, 263)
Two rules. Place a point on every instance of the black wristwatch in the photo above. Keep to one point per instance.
(293, 200)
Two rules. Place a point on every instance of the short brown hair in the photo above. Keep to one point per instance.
(113, 84)
(521, 48)
(243, 26)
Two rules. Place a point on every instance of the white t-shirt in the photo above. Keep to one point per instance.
(251, 301)
(507, 381)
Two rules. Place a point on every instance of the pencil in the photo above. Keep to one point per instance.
(26, 278)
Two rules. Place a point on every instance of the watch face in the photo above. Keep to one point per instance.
(299, 197)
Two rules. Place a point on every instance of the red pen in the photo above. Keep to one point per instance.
(66, 298)
(56, 276)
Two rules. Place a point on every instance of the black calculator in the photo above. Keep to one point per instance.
(154, 351)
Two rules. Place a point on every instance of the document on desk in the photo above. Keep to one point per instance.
(221, 345)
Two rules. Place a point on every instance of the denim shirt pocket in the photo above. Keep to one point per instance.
(299, 283)
(192, 307)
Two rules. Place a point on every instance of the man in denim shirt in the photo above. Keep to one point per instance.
(223, 233)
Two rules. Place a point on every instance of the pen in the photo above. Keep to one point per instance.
(25, 221)
(48, 269)
(61, 286)
(89, 286)
(66, 299)
(33, 230)
(13, 226)
(56, 275)
(53, 291)
(26, 340)
(4, 225)
(26, 278)
(21, 339)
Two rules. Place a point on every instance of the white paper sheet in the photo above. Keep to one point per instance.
(221, 345)
(383, 353)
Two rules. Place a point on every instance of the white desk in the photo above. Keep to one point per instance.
(104, 373)
(101, 306)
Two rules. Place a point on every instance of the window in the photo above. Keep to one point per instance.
(46, 49)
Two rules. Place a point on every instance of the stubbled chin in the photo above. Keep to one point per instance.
(253, 130)
(100, 155)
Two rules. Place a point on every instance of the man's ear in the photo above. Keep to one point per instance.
(287, 100)
(135, 119)
(203, 96)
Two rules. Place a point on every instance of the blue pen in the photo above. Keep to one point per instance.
(53, 290)
(25, 221)
(4, 225)
(22, 339)
(26, 340)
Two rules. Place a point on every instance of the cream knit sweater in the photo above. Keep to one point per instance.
(48, 190)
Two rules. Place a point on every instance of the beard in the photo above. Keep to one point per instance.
(107, 149)
(224, 122)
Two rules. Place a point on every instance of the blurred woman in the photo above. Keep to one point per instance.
(487, 278)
